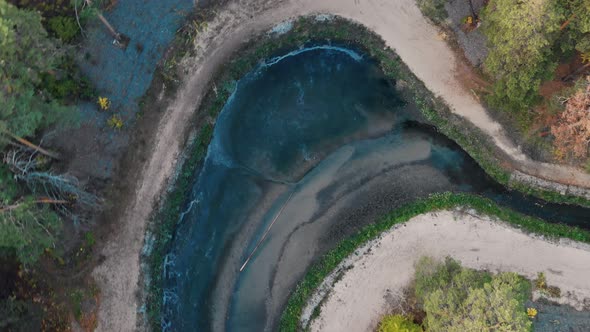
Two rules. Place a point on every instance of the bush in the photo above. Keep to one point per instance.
(432, 276)
(457, 299)
(398, 323)
(12, 314)
(64, 28)
(433, 9)
(66, 83)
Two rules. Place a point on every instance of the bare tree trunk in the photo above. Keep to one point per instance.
(122, 40)
(43, 200)
(33, 146)
(575, 72)
(567, 22)
(473, 13)
(112, 30)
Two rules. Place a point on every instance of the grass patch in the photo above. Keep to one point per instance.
(320, 270)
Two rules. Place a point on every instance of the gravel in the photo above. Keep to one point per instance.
(473, 43)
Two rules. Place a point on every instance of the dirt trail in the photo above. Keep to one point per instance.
(378, 277)
(401, 25)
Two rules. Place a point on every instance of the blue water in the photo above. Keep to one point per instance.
(322, 125)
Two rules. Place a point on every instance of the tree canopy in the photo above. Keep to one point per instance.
(27, 225)
(26, 52)
(576, 28)
(526, 40)
(572, 128)
(521, 35)
(456, 299)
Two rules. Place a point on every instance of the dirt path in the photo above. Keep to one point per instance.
(378, 276)
(403, 28)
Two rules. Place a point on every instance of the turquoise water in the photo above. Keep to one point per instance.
(321, 136)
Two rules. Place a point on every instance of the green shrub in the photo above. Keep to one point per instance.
(66, 83)
(64, 27)
(457, 299)
(432, 276)
(433, 9)
(8, 186)
(398, 323)
(18, 315)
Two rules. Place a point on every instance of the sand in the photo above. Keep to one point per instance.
(403, 28)
(374, 280)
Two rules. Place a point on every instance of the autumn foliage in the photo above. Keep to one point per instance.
(572, 129)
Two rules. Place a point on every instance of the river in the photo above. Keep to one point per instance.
(318, 143)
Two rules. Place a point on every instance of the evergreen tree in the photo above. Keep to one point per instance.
(27, 225)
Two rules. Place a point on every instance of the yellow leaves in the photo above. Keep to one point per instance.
(104, 103)
(531, 312)
(585, 57)
(115, 122)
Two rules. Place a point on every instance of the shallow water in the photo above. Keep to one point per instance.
(319, 142)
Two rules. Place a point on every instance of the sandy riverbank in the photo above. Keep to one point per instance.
(400, 24)
(375, 279)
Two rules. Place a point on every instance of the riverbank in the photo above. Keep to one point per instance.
(214, 46)
(372, 282)
(299, 299)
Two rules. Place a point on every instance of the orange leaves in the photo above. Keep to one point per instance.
(572, 130)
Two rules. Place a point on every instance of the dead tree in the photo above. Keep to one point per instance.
(62, 190)
(120, 40)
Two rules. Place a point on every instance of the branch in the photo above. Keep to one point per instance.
(33, 146)
(78, 18)
(43, 200)
(567, 22)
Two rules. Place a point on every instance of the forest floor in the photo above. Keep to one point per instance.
(373, 282)
(158, 143)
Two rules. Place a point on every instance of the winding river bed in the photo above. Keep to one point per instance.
(318, 143)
